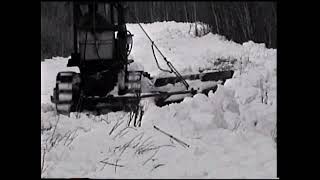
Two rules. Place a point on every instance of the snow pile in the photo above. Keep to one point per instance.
(254, 84)
(187, 53)
(230, 133)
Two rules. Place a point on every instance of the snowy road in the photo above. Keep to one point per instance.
(231, 132)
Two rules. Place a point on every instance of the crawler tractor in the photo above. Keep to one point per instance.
(102, 45)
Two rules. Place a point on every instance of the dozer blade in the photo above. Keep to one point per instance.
(210, 76)
(124, 102)
(201, 83)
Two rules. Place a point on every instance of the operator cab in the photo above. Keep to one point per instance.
(99, 39)
(101, 45)
(96, 32)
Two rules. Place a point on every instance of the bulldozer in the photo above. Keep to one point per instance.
(101, 47)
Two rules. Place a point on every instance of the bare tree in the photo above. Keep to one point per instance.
(215, 18)
(185, 12)
(151, 11)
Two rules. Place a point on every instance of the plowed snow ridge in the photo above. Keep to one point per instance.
(231, 132)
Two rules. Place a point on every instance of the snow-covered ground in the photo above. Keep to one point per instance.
(231, 133)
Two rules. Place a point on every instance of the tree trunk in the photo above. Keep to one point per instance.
(195, 18)
(166, 11)
(151, 13)
(215, 18)
(248, 19)
(185, 12)
(274, 10)
(135, 12)
(194, 12)
(242, 21)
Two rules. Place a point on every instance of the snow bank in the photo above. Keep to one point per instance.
(230, 132)
(178, 45)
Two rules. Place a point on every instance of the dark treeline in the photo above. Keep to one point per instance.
(56, 29)
(237, 21)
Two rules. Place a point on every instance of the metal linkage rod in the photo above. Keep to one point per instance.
(172, 68)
